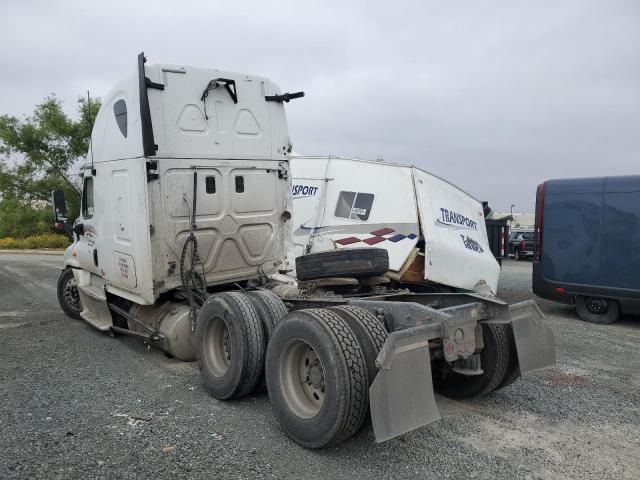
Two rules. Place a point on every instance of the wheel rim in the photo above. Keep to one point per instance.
(302, 379)
(70, 294)
(597, 306)
(217, 351)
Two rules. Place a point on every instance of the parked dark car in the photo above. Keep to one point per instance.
(497, 233)
(522, 244)
(588, 245)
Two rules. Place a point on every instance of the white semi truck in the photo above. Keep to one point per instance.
(185, 240)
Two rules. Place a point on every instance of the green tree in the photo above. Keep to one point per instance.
(39, 153)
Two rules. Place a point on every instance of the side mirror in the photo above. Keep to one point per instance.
(59, 206)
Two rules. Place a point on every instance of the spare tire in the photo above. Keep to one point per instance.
(353, 262)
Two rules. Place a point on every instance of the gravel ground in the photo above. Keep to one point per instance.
(76, 403)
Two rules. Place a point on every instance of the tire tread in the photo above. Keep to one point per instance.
(369, 330)
(254, 335)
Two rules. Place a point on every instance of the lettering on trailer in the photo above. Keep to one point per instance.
(471, 244)
(300, 191)
(451, 219)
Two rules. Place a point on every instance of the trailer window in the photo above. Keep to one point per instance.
(87, 198)
(354, 205)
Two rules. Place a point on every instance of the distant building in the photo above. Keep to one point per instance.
(516, 220)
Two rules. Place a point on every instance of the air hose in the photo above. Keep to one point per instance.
(193, 283)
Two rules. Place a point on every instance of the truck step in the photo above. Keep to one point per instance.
(95, 311)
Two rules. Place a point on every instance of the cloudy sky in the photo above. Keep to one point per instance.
(494, 96)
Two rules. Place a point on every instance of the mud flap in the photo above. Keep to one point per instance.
(401, 397)
(534, 340)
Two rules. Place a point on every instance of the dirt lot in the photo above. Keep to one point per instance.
(76, 403)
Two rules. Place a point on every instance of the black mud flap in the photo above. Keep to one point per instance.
(533, 338)
(401, 397)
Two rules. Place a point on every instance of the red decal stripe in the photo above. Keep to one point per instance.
(348, 240)
(383, 231)
(373, 240)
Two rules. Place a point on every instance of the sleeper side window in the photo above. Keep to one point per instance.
(87, 198)
(354, 205)
(120, 112)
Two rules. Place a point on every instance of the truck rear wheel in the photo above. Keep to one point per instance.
(353, 262)
(317, 378)
(513, 368)
(68, 296)
(369, 332)
(229, 346)
(494, 359)
(270, 310)
(597, 310)
(269, 307)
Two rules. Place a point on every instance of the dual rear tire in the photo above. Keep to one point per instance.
(319, 366)
(319, 363)
(499, 366)
(231, 336)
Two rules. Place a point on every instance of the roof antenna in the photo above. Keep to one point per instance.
(91, 120)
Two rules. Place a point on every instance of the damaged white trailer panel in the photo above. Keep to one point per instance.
(351, 203)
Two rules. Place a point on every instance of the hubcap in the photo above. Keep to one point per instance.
(71, 295)
(597, 306)
(217, 352)
(302, 379)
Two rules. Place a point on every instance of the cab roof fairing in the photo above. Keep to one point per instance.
(109, 143)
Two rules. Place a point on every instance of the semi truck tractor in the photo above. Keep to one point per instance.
(185, 240)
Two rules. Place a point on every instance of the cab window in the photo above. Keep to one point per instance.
(87, 198)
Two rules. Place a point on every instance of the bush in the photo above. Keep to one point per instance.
(20, 221)
(35, 241)
(9, 242)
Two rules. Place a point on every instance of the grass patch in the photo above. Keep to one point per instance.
(35, 242)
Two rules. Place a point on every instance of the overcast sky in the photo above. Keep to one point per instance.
(493, 96)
